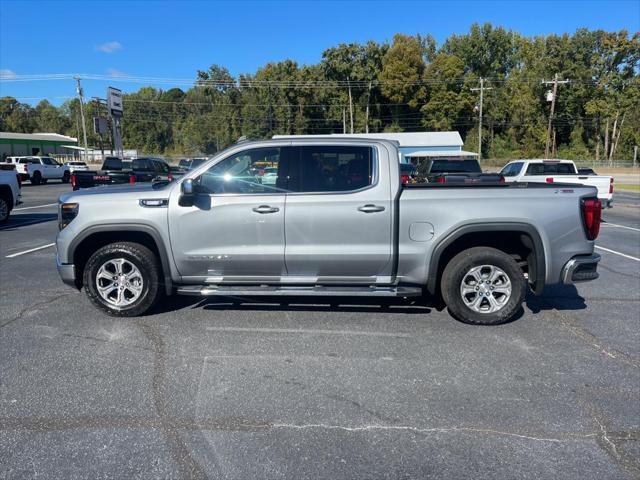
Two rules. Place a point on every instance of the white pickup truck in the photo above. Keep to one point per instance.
(41, 169)
(557, 171)
(9, 193)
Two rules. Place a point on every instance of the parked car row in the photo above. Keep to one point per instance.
(116, 171)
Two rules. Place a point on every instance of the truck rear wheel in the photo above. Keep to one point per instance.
(123, 279)
(483, 286)
(36, 178)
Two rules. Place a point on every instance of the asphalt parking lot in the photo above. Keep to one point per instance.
(220, 389)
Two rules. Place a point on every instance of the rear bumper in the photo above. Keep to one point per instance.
(581, 268)
(67, 272)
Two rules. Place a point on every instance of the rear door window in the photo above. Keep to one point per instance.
(450, 166)
(325, 169)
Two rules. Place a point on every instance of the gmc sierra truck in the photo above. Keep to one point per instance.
(116, 171)
(336, 221)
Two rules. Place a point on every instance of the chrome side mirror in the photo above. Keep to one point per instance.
(187, 198)
(187, 187)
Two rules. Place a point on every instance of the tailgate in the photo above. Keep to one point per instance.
(602, 183)
(93, 179)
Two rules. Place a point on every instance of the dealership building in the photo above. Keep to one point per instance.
(415, 146)
(20, 144)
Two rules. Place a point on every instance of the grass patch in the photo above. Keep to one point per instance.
(629, 187)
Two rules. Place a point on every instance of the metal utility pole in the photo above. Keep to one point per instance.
(344, 120)
(84, 127)
(350, 105)
(482, 88)
(553, 107)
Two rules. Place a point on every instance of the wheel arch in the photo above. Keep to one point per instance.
(520, 238)
(97, 236)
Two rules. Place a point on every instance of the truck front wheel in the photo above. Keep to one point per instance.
(122, 279)
(483, 286)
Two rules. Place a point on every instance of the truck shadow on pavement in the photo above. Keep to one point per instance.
(24, 219)
(556, 297)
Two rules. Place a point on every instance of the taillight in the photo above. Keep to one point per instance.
(441, 179)
(549, 180)
(73, 181)
(611, 185)
(404, 179)
(502, 180)
(132, 179)
(591, 216)
(170, 177)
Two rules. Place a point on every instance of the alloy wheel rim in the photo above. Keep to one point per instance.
(485, 289)
(119, 282)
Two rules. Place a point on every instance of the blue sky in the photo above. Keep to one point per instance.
(175, 39)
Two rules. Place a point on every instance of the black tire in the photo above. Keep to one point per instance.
(66, 177)
(144, 260)
(36, 178)
(457, 270)
(5, 210)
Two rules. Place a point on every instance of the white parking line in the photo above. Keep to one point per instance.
(620, 226)
(618, 253)
(37, 206)
(30, 250)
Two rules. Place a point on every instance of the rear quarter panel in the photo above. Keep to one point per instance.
(553, 212)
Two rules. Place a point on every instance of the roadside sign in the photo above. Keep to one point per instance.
(100, 125)
(114, 101)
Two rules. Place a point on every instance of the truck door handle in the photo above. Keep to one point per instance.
(265, 209)
(369, 208)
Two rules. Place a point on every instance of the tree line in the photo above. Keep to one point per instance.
(408, 84)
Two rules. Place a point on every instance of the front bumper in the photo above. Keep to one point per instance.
(581, 268)
(67, 272)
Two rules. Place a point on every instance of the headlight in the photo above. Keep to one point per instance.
(68, 211)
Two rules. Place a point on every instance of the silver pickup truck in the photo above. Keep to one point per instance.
(335, 221)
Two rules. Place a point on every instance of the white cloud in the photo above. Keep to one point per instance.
(112, 72)
(4, 73)
(109, 47)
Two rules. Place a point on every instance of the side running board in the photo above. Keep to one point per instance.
(300, 291)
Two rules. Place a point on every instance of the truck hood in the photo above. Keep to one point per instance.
(125, 190)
